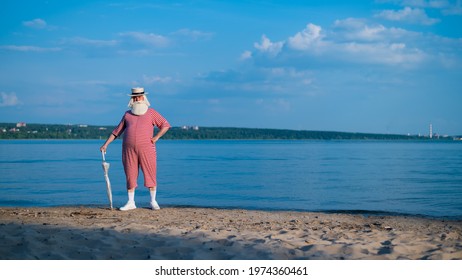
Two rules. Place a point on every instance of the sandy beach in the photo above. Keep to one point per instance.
(86, 233)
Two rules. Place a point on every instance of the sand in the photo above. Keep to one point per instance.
(87, 233)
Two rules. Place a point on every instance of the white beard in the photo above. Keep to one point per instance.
(139, 108)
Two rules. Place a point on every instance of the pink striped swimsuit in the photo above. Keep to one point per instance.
(137, 149)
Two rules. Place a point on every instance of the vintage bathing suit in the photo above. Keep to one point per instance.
(137, 148)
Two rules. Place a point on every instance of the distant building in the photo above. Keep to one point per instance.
(194, 127)
(21, 124)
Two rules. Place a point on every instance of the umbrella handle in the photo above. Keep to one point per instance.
(102, 153)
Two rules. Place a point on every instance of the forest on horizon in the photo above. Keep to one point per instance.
(61, 131)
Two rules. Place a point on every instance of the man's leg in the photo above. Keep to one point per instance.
(130, 162)
(148, 162)
(154, 204)
(130, 205)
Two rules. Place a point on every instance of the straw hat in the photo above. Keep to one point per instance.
(138, 91)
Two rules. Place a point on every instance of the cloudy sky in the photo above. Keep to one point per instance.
(384, 66)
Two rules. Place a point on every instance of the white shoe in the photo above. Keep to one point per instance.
(129, 206)
(154, 205)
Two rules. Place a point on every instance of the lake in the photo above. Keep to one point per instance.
(370, 177)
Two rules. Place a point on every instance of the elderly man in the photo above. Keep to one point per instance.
(138, 148)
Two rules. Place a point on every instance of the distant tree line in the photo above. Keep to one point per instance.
(51, 131)
(275, 134)
(59, 131)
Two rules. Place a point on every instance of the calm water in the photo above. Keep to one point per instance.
(417, 178)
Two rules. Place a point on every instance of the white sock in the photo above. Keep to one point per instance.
(153, 194)
(131, 196)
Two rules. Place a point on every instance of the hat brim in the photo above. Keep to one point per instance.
(138, 94)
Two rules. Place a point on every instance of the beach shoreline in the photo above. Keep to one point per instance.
(183, 233)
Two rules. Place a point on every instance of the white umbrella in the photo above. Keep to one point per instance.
(106, 176)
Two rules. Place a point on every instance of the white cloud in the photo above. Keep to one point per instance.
(307, 38)
(353, 29)
(266, 46)
(246, 55)
(36, 23)
(8, 99)
(382, 53)
(194, 35)
(351, 41)
(89, 42)
(357, 29)
(408, 14)
(437, 4)
(149, 39)
(446, 7)
(29, 48)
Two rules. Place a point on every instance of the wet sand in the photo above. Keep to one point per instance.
(86, 233)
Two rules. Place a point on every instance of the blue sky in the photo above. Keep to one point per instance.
(385, 66)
